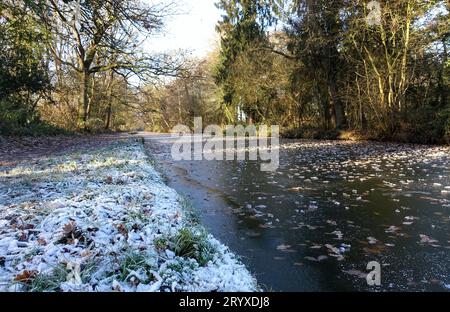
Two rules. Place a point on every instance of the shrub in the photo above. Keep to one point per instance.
(193, 243)
(428, 126)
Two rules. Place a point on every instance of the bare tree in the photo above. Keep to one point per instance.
(105, 35)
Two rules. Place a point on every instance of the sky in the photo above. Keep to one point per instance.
(193, 28)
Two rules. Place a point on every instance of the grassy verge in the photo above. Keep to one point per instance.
(103, 220)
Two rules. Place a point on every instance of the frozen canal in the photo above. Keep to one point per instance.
(329, 210)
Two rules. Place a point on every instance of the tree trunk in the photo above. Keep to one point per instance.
(85, 97)
(108, 118)
(110, 87)
(441, 84)
(326, 112)
(338, 106)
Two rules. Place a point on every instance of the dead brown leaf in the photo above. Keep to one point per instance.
(69, 228)
(26, 276)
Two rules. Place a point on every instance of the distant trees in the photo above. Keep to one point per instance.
(90, 51)
(317, 68)
(396, 67)
(315, 33)
(384, 59)
(24, 76)
(180, 100)
(333, 66)
(95, 36)
(242, 29)
(387, 79)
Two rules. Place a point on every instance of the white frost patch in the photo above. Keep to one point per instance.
(103, 221)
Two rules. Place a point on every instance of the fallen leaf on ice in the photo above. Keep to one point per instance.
(318, 259)
(392, 229)
(284, 248)
(424, 239)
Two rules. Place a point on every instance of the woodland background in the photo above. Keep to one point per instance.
(317, 68)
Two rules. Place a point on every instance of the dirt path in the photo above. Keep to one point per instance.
(14, 150)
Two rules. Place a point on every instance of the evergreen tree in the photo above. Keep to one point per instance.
(23, 73)
(243, 24)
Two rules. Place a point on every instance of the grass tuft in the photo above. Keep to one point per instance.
(193, 243)
(135, 262)
(49, 282)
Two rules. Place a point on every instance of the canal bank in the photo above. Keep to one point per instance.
(103, 220)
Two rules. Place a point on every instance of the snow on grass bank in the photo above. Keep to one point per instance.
(105, 221)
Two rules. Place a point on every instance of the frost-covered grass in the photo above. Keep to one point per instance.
(105, 221)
